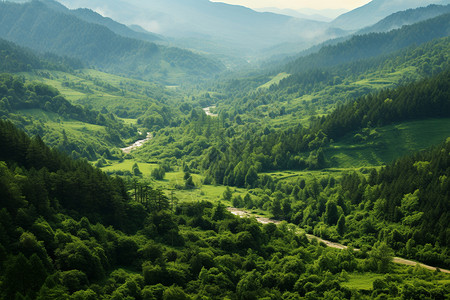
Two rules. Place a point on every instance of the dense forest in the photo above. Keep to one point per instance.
(16, 59)
(56, 242)
(321, 177)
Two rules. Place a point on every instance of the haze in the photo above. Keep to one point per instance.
(298, 4)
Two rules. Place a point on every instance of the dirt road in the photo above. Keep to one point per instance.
(263, 220)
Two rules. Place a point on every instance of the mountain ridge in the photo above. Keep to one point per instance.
(37, 26)
(376, 10)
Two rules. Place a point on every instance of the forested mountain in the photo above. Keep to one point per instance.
(376, 10)
(214, 27)
(373, 44)
(326, 177)
(391, 22)
(93, 17)
(36, 26)
(57, 242)
(407, 17)
(18, 59)
(289, 148)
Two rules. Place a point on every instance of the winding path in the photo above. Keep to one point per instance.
(398, 260)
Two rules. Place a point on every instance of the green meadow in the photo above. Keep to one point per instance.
(393, 141)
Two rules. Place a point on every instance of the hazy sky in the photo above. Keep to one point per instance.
(297, 4)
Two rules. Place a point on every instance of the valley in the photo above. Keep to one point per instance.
(232, 154)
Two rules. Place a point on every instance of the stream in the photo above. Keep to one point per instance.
(263, 220)
(137, 144)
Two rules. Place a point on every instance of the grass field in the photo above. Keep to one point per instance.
(361, 281)
(75, 130)
(307, 174)
(98, 89)
(274, 80)
(127, 165)
(173, 179)
(393, 142)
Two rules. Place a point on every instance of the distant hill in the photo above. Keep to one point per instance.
(296, 14)
(376, 10)
(391, 22)
(41, 28)
(407, 17)
(373, 44)
(211, 26)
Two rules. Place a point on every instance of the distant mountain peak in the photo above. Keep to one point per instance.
(376, 10)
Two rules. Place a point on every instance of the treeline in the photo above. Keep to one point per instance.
(333, 83)
(56, 243)
(428, 98)
(51, 180)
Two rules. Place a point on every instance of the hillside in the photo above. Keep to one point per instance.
(19, 59)
(36, 26)
(214, 27)
(407, 17)
(93, 17)
(134, 170)
(376, 10)
(373, 44)
(391, 22)
(66, 246)
(41, 110)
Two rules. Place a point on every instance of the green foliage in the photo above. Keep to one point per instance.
(381, 256)
(47, 100)
(159, 173)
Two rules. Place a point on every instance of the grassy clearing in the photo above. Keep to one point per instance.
(97, 89)
(173, 179)
(274, 80)
(129, 121)
(307, 174)
(75, 130)
(361, 281)
(394, 141)
(127, 165)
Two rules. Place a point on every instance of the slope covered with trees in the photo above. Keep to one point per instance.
(56, 243)
(18, 97)
(37, 26)
(373, 44)
(407, 17)
(17, 59)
